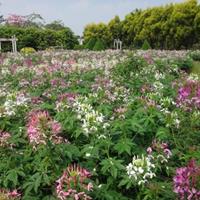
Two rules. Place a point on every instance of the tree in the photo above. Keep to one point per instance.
(1, 17)
(15, 20)
(55, 25)
(182, 24)
(174, 26)
(96, 31)
(115, 28)
(34, 20)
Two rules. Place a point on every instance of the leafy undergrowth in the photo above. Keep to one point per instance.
(109, 125)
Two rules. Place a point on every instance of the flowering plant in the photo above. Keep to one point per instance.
(9, 195)
(73, 184)
(41, 128)
(187, 182)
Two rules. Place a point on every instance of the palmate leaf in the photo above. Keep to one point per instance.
(111, 166)
(124, 146)
(163, 133)
(33, 184)
(136, 126)
(13, 175)
(37, 182)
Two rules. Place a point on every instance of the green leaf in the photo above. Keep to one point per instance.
(162, 133)
(124, 146)
(37, 183)
(12, 176)
(111, 166)
(123, 182)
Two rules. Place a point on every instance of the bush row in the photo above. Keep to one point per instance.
(38, 39)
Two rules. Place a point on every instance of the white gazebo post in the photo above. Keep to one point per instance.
(13, 40)
(13, 47)
(118, 44)
(115, 43)
(80, 41)
(14, 44)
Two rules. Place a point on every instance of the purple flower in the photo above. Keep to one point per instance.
(185, 182)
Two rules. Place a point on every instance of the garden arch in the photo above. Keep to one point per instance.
(13, 40)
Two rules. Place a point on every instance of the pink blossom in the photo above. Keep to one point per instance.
(4, 137)
(41, 128)
(17, 20)
(11, 195)
(56, 127)
(149, 150)
(73, 183)
(186, 181)
(189, 95)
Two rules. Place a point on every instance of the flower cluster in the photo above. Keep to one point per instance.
(4, 136)
(186, 182)
(160, 151)
(16, 20)
(42, 128)
(65, 101)
(9, 195)
(74, 183)
(91, 119)
(12, 103)
(141, 169)
(189, 95)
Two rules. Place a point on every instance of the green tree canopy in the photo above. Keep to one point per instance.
(174, 26)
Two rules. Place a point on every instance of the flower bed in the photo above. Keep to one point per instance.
(106, 125)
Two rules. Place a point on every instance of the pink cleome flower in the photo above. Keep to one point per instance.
(4, 136)
(159, 147)
(186, 182)
(189, 95)
(10, 195)
(41, 128)
(74, 183)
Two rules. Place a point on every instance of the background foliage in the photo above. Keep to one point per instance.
(174, 26)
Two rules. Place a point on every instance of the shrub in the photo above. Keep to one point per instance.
(183, 63)
(129, 67)
(195, 55)
(37, 38)
(27, 50)
(79, 47)
(99, 45)
(91, 43)
(146, 45)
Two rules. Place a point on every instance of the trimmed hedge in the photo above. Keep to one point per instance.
(90, 44)
(38, 39)
(99, 45)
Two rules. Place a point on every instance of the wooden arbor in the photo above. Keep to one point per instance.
(13, 40)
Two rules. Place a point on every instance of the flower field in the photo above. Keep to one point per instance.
(110, 125)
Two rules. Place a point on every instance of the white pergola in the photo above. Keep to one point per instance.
(13, 40)
(118, 44)
(80, 40)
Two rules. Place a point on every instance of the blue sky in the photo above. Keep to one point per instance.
(77, 13)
